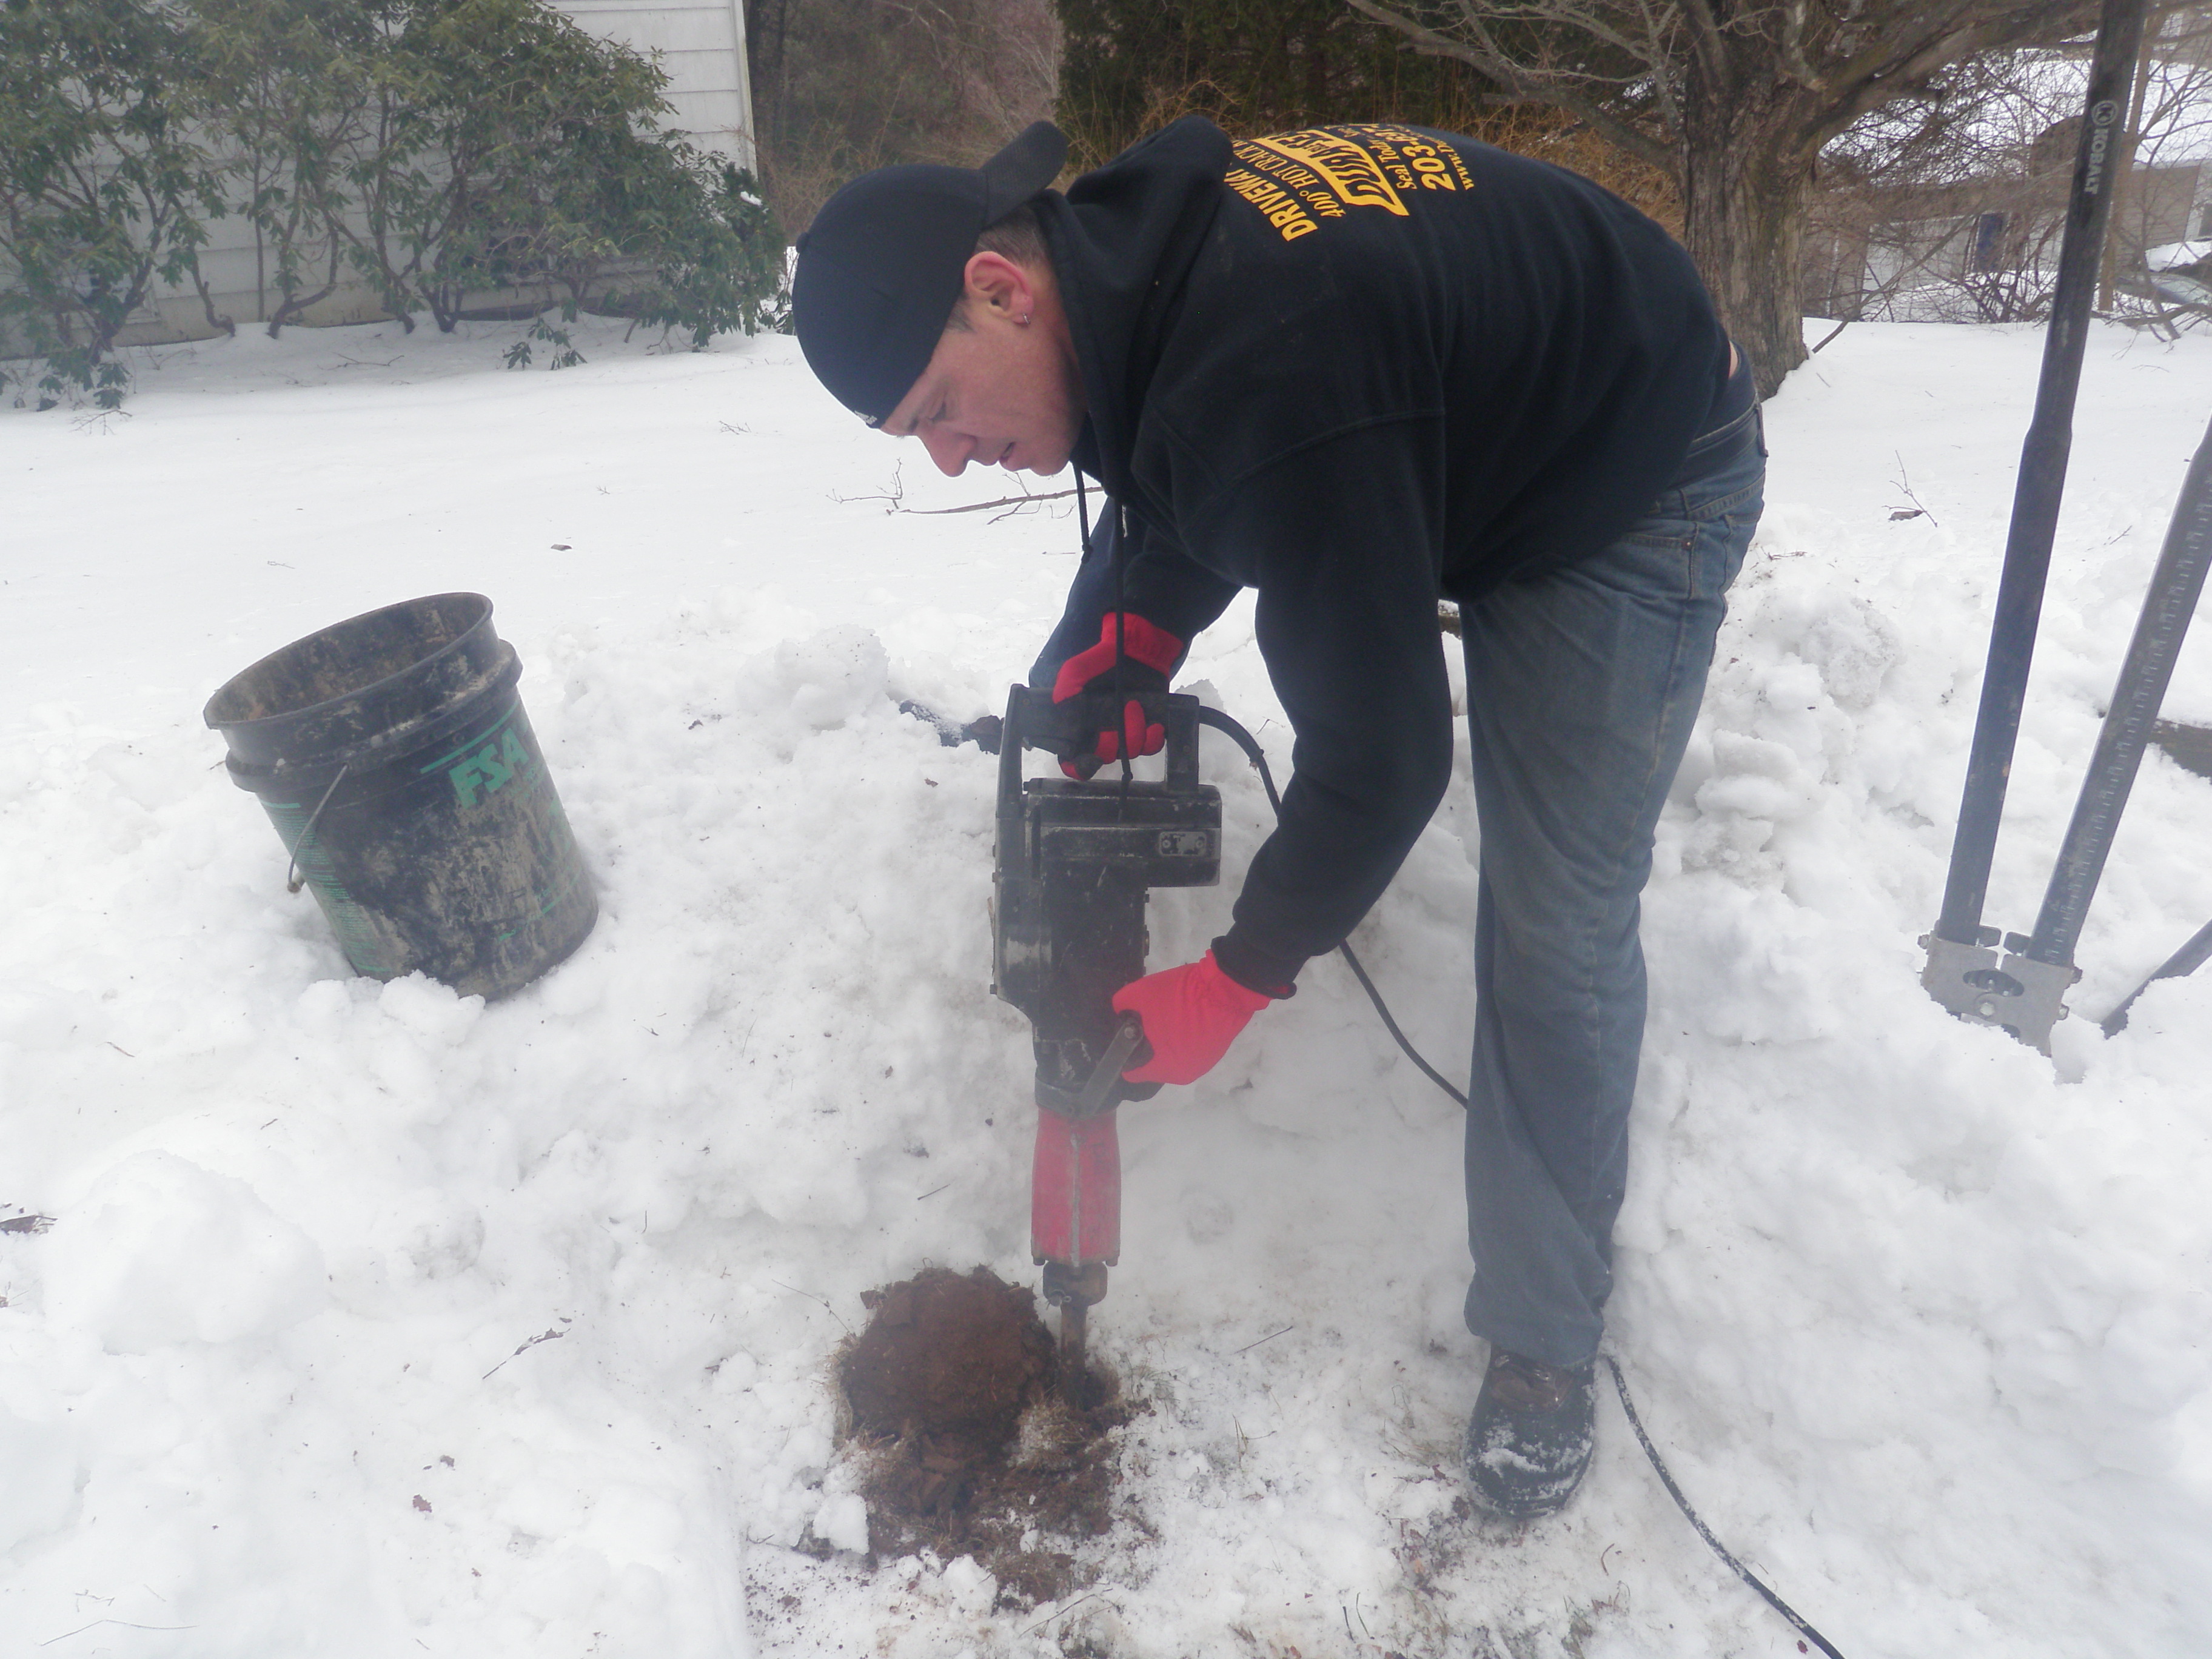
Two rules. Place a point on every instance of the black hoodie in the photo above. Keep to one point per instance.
(1358, 368)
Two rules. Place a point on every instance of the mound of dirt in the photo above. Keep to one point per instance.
(971, 1448)
(950, 1358)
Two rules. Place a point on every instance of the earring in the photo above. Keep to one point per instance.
(1022, 321)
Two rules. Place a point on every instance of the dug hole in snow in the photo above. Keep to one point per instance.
(369, 1320)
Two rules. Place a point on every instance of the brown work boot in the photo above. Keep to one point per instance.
(1531, 1436)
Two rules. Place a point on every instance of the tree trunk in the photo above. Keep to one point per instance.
(1746, 188)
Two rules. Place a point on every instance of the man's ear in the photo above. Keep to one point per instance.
(996, 283)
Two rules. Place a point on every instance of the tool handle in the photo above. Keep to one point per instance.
(1121, 1054)
(1066, 730)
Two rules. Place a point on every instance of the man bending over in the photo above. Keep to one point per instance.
(1360, 368)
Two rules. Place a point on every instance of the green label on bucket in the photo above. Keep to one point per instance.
(490, 768)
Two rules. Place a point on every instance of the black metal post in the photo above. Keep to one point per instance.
(1964, 972)
(2182, 963)
(2176, 585)
(2042, 477)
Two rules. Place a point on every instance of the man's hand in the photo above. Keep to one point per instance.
(1147, 652)
(1191, 1014)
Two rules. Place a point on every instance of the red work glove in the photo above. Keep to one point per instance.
(1148, 652)
(1192, 1014)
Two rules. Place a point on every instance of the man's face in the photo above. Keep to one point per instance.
(1002, 391)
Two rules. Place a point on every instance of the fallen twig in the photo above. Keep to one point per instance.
(895, 500)
(1904, 483)
(96, 1623)
(1062, 1613)
(1026, 499)
(810, 1297)
(546, 1336)
(1270, 1337)
(896, 494)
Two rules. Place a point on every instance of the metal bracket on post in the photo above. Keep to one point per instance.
(2013, 992)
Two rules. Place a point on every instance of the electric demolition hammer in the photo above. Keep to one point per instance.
(1074, 863)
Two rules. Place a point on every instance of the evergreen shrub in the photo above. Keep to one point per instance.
(450, 153)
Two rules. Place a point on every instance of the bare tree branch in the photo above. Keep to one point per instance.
(1541, 87)
(1735, 100)
(1703, 27)
(1793, 48)
(1939, 37)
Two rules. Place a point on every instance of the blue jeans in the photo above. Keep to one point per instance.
(1583, 685)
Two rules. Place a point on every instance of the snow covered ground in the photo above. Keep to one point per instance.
(373, 1321)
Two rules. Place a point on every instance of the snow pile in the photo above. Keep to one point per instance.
(374, 1320)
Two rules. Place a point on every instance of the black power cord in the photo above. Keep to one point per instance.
(1705, 1532)
(1244, 740)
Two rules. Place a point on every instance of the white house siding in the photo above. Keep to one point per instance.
(703, 47)
(701, 44)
